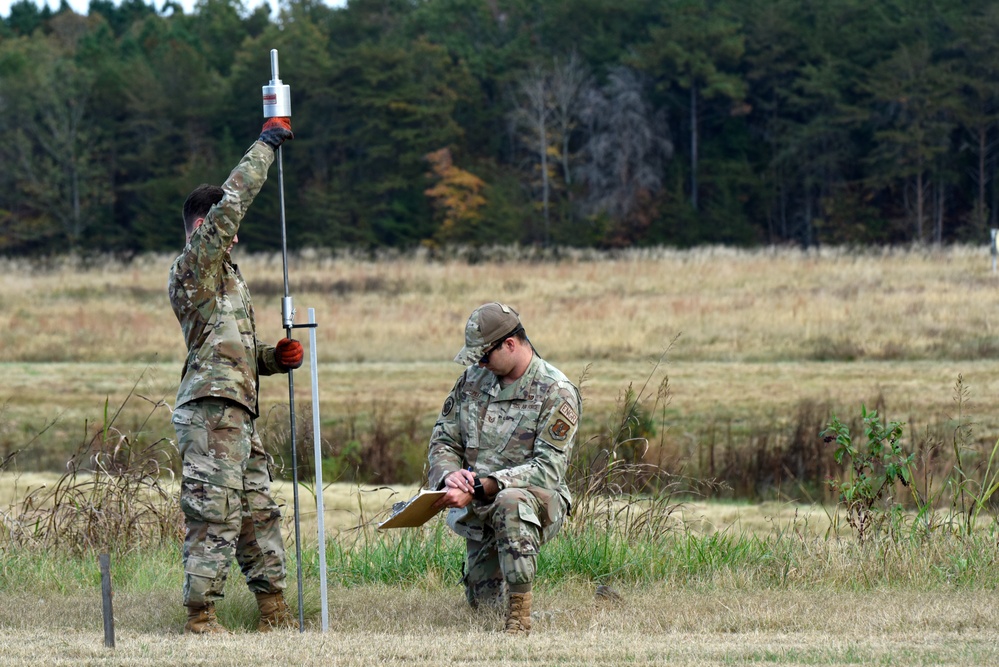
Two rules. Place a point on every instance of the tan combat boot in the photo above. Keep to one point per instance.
(274, 612)
(202, 621)
(518, 618)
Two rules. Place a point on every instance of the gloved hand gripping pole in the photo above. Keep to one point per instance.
(277, 103)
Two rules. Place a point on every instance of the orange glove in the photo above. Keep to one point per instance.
(289, 353)
(278, 121)
(276, 131)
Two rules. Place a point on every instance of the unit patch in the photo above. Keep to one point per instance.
(559, 430)
(569, 413)
(448, 405)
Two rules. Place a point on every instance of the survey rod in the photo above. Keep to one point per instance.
(277, 103)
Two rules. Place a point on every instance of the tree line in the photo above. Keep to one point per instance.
(549, 122)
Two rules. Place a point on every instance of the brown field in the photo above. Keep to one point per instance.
(430, 626)
(768, 340)
(729, 305)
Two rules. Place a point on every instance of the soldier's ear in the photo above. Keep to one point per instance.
(197, 223)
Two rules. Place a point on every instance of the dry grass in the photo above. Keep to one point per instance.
(430, 627)
(350, 506)
(821, 614)
(762, 332)
(764, 305)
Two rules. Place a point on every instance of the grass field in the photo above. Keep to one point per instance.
(743, 585)
(656, 626)
(770, 344)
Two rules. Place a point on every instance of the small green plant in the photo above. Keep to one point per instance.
(973, 488)
(875, 466)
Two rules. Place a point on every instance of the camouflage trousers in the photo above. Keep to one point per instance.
(514, 526)
(226, 500)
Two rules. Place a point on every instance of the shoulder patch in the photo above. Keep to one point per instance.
(559, 430)
(570, 414)
(448, 406)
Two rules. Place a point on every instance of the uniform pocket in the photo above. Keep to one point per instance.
(203, 567)
(528, 515)
(511, 436)
(189, 425)
(219, 472)
(205, 505)
(183, 417)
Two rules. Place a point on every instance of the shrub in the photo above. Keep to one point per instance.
(875, 465)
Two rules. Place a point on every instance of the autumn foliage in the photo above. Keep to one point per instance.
(456, 196)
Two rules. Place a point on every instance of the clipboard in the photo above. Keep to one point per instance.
(414, 512)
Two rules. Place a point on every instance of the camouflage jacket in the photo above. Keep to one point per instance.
(521, 435)
(211, 300)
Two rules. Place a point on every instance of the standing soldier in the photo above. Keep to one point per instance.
(500, 449)
(225, 487)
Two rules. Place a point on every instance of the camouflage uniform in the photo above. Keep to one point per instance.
(521, 436)
(225, 487)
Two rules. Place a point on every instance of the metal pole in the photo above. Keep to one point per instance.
(318, 458)
(291, 402)
(277, 102)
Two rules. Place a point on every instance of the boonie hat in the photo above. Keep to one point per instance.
(486, 325)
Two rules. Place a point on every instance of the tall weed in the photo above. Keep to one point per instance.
(114, 496)
(617, 488)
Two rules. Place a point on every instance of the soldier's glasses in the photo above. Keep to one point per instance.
(485, 357)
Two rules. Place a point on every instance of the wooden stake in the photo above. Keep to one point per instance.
(105, 561)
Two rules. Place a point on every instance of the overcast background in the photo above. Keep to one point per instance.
(80, 6)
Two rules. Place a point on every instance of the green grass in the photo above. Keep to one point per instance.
(680, 557)
(734, 596)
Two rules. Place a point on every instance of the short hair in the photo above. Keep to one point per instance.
(199, 202)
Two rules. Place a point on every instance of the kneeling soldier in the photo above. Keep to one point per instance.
(500, 448)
